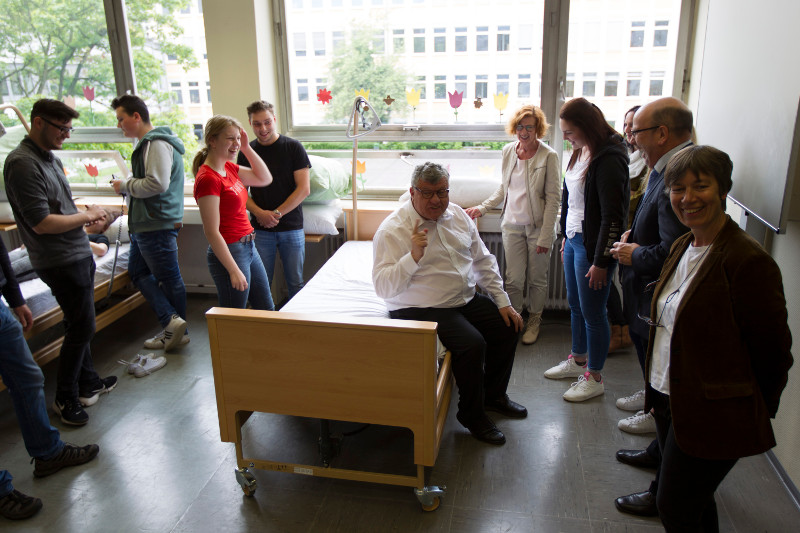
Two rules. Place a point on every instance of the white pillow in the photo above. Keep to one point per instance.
(111, 232)
(321, 219)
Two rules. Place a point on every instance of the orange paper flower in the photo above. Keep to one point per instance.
(92, 170)
(361, 166)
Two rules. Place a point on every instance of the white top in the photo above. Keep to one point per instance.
(668, 302)
(455, 260)
(576, 202)
(517, 210)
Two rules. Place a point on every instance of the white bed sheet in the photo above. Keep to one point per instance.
(39, 298)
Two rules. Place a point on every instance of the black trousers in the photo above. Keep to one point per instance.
(482, 347)
(73, 287)
(686, 484)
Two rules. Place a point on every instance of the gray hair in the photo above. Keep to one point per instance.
(429, 173)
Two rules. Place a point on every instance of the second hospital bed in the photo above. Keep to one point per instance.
(332, 354)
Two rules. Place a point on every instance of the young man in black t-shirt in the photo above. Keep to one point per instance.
(276, 210)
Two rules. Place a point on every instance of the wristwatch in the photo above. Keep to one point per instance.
(277, 213)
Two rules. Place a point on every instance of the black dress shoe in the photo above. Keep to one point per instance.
(506, 407)
(638, 458)
(483, 430)
(638, 503)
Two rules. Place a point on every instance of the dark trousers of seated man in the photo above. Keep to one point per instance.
(73, 287)
(482, 349)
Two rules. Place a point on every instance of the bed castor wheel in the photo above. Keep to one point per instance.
(430, 497)
(246, 480)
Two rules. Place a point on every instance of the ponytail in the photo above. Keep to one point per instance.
(199, 159)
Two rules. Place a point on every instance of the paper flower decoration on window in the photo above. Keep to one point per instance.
(455, 101)
(478, 103)
(412, 97)
(363, 92)
(88, 93)
(70, 101)
(388, 100)
(92, 170)
(361, 169)
(486, 171)
(500, 102)
(324, 96)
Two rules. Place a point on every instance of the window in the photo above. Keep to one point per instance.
(321, 84)
(611, 84)
(482, 39)
(502, 84)
(439, 44)
(439, 88)
(524, 86)
(481, 86)
(525, 37)
(660, 35)
(421, 87)
(461, 39)
(588, 84)
(656, 83)
(177, 93)
(569, 86)
(633, 87)
(316, 4)
(399, 41)
(337, 40)
(300, 44)
(319, 43)
(336, 3)
(302, 89)
(419, 40)
(208, 92)
(378, 42)
(194, 92)
(637, 34)
(503, 38)
(461, 84)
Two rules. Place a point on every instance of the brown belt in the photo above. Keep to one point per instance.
(247, 238)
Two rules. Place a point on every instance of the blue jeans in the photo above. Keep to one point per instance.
(25, 383)
(73, 287)
(292, 247)
(249, 262)
(153, 267)
(587, 306)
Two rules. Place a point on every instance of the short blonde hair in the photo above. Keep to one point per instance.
(528, 111)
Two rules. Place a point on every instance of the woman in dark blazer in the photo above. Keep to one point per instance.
(718, 356)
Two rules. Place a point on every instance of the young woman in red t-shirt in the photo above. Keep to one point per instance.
(220, 189)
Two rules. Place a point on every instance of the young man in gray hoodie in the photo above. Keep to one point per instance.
(155, 215)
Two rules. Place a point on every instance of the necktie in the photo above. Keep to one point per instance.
(651, 182)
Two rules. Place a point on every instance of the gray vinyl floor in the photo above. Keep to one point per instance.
(162, 467)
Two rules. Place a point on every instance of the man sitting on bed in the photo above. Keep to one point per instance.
(428, 258)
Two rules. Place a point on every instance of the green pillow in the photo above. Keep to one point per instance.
(329, 180)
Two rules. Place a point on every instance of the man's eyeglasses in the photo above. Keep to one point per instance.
(441, 193)
(634, 133)
(62, 129)
(527, 128)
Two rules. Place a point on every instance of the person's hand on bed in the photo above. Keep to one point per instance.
(419, 241)
(238, 281)
(24, 316)
(510, 316)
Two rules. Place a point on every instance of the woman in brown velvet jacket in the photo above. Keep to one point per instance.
(719, 350)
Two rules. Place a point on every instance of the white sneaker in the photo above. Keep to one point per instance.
(144, 365)
(634, 402)
(157, 342)
(565, 369)
(174, 332)
(638, 424)
(583, 389)
(531, 333)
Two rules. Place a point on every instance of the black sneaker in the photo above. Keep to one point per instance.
(90, 397)
(71, 412)
(70, 455)
(16, 506)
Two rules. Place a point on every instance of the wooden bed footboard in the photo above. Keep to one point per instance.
(368, 370)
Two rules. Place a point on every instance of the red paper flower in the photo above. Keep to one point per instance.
(455, 99)
(324, 96)
(92, 170)
(88, 93)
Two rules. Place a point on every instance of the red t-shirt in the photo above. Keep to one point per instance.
(233, 220)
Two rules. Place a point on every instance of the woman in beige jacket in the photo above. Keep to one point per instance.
(530, 192)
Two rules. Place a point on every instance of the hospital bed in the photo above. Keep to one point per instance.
(47, 313)
(332, 353)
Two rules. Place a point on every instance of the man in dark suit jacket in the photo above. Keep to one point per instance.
(661, 129)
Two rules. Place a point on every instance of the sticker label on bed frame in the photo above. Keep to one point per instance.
(304, 471)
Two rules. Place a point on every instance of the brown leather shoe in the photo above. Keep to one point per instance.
(616, 339)
(638, 503)
(638, 458)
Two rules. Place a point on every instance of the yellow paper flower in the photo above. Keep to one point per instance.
(500, 101)
(361, 166)
(363, 92)
(413, 97)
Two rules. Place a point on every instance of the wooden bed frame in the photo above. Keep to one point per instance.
(104, 318)
(368, 370)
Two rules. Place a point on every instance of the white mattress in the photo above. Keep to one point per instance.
(39, 298)
(342, 286)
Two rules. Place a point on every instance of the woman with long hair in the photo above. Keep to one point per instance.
(594, 210)
(220, 189)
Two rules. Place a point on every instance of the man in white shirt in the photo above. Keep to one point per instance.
(428, 259)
